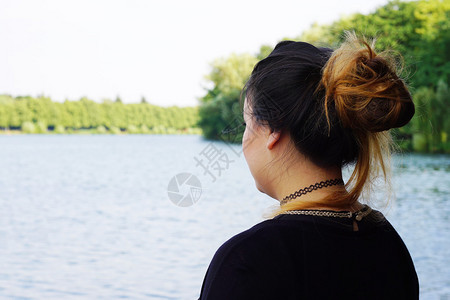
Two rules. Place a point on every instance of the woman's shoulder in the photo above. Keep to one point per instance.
(260, 237)
(270, 232)
(256, 234)
(287, 224)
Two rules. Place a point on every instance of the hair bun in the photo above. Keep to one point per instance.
(366, 91)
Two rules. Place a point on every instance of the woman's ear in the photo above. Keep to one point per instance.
(273, 139)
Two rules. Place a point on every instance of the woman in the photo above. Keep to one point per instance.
(309, 112)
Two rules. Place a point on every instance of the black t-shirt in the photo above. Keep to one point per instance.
(313, 257)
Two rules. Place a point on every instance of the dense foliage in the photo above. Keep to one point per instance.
(220, 110)
(417, 30)
(38, 115)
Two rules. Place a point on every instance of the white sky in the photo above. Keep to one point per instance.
(132, 48)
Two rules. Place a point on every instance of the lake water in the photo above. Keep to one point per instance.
(89, 216)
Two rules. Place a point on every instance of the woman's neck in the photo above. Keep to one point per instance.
(301, 174)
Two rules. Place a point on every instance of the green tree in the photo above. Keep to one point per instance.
(220, 113)
(264, 51)
(229, 74)
(87, 114)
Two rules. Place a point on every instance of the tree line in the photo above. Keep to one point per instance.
(418, 32)
(41, 114)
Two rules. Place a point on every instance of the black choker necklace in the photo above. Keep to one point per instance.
(311, 188)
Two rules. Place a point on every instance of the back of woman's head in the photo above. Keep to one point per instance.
(337, 106)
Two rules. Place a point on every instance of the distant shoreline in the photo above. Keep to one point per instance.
(115, 131)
